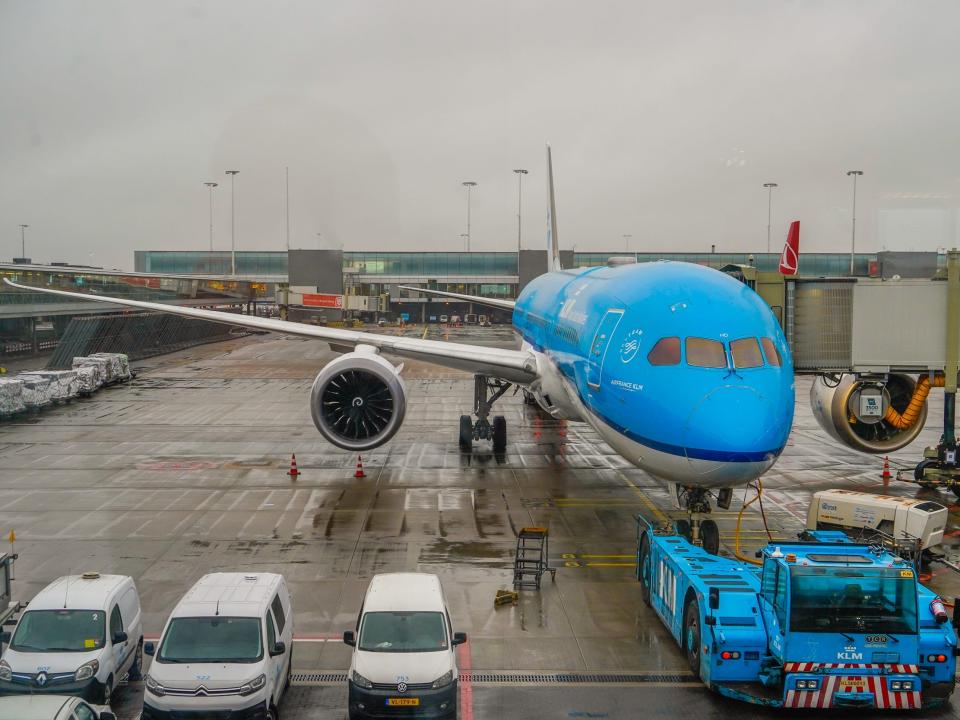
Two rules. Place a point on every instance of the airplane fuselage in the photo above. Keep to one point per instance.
(682, 369)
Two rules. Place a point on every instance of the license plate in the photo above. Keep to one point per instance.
(403, 702)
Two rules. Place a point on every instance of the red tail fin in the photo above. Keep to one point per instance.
(790, 259)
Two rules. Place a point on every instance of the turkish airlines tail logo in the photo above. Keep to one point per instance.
(790, 259)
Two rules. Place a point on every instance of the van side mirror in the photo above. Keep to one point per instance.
(459, 638)
(119, 637)
(349, 639)
(149, 648)
(714, 600)
(279, 648)
(5, 637)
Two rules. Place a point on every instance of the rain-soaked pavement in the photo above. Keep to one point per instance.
(183, 471)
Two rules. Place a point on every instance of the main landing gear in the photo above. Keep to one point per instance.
(699, 531)
(486, 391)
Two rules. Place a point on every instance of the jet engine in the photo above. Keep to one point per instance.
(874, 415)
(358, 400)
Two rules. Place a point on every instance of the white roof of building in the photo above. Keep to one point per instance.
(229, 594)
(404, 592)
(75, 591)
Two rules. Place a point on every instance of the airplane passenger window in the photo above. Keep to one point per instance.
(770, 350)
(705, 353)
(746, 353)
(665, 352)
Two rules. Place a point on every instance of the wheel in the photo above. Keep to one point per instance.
(683, 528)
(499, 433)
(710, 536)
(466, 433)
(136, 669)
(107, 693)
(918, 473)
(691, 636)
(643, 569)
(272, 713)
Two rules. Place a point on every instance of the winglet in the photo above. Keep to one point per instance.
(553, 248)
(790, 258)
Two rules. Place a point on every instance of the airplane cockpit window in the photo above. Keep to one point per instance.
(770, 350)
(665, 352)
(746, 353)
(705, 353)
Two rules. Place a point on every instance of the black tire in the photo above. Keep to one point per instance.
(499, 433)
(683, 528)
(710, 536)
(918, 473)
(643, 570)
(106, 693)
(956, 490)
(691, 636)
(466, 433)
(136, 669)
(273, 713)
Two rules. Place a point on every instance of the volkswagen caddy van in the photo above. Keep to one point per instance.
(226, 650)
(81, 635)
(404, 660)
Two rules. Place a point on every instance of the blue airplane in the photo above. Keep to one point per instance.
(682, 369)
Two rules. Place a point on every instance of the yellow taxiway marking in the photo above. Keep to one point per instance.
(426, 329)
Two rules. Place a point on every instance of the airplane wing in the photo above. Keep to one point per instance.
(492, 302)
(513, 365)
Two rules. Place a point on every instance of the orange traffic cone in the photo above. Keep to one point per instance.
(359, 473)
(886, 471)
(293, 472)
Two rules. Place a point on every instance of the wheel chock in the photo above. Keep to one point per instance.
(506, 597)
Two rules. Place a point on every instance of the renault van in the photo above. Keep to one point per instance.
(226, 650)
(81, 635)
(404, 659)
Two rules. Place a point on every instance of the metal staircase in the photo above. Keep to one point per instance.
(531, 561)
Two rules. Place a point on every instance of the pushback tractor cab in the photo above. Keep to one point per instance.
(822, 624)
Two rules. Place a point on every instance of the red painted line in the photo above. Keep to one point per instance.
(466, 686)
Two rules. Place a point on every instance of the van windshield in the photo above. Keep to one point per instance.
(211, 640)
(59, 631)
(402, 632)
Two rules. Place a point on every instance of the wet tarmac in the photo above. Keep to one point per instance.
(183, 471)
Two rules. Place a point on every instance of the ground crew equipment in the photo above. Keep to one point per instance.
(530, 562)
(359, 473)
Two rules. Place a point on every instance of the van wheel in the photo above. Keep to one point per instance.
(107, 693)
(272, 713)
(136, 670)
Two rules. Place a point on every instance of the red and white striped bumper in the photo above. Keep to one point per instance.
(840, 684)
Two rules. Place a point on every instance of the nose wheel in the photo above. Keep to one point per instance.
(698, 530)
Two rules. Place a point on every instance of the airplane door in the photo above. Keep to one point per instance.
(598, 348)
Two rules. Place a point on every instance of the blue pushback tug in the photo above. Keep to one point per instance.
(826, 623)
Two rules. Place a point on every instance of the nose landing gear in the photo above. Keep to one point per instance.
(486, 391)
(698, 530)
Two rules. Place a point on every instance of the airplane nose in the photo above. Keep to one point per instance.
(732, 424)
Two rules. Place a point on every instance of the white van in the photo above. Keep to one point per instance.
(404, 656)
(81, 635)
(227, 648)
(50, 707)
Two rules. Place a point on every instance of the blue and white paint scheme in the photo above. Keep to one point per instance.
(593, 332)
(682, 369)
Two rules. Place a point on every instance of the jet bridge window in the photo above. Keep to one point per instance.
(746, 353)
(665, 352)
(770, 350)
(705, 353)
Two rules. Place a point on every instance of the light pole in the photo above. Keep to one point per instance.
(23, 240)
(626, 239)
(233, 225)
(211, 185)
(520, 174)
(853, 227)
(769, 187)
(287, 174)
(469, 185)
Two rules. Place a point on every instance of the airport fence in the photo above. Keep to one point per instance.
(139, 335)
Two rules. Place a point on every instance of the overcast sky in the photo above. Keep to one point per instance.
(665, 119)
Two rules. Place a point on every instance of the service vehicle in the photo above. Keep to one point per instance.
(81, 635)
(822, 624)
(404, 660)
(866, 514)
(470, 319)
(443, 318)
(50, 707)
(226, 650)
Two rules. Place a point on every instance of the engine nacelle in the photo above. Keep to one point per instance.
(852, 411)
(358, 400)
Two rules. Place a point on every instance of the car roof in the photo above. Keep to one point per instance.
(229, 595)
(90, 591)
(32, 707)
(404, 592)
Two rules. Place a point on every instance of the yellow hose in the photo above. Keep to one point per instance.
(910, 415)
(736, 532)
